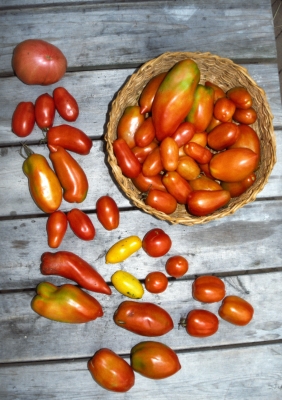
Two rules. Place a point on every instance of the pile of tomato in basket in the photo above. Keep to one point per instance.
(188, 143)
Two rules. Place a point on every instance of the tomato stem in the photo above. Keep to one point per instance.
(27, 150)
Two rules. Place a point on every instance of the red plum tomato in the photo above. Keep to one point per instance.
(56, 227)
(208, 289)
(81, 224)
(107, 212)
(161, 201)
(23, 119)
(236, 310)
(65, 103)
(44, 111)
(201, 323)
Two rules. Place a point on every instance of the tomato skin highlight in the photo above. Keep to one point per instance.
(44, 109)
(208, 289)
(176, 266)
(156, 243)
(205, 202)
(123, 249)
(148, 93)
(129, 123)
(67, 303)
(201, 323)
(202, 108)
(156, 282)
(71, 266)
(161, 201)
(23, 119)
(127, 284)
(81, 224)
(71, 175)
(145, 319)
(107, 212)
(65, 104)
(126, 159)
(154, 360)
(111, 371)
(236, 310)
(70, 138)
(56, 226)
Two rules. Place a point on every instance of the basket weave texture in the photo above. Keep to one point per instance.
(226, 74)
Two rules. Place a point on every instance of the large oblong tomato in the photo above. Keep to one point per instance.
(205, 202)
(208, 289)
(156, 243)
(107, 212)
(44, 111)
(65, 103)
(201, 323)
(111, 371)
(126, 159)
(23, 119)
(81, 224)
(236, 310)
(161, 201)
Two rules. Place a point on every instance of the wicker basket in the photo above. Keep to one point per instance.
(226, 74)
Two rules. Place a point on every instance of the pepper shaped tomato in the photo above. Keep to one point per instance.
(236, 310)
(127, 284)
(208, 289)
(156, 282)
(183, 133)
(43, 183)
(156, 243)
(205, 202)
(223, 136)
(146, 319)
(233, 165)
(81, 224)
(71, 266)
(240, 97)
(128, 124)
(201, 323)
(44, 111)
(23, 119)
(107, 212)
(146, 183)
(169, 154)
(126, 159)
(201, 112)
(71, 175)
(174, 97)
(148, 93)
(57, 224)
(65, 104)
(145, 133)
(177, 186)
(70, 138)
(67, 303)
(237, 188)
(176, 266)
(123, 249)
(161, 201)
(154, 360)
(111, 371)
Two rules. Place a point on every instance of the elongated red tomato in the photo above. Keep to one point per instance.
(148, 93)
(153, 163)
(145, 133)
(81, 224)
(201, 323)
(248, 116)
(146, 183)
(126, 159)
(204, 183)
(224, 109)
(44, 111)
(161, 201)
(183, 133)
(65, 103)
(201, 112)
(177, 186)
(240, 97)
(71, 175)
(208, 289)
(141, 153)
(169, 154)
(57, 224)
(205, 202)
(199, 153)
(70, 138)
(236, 310)
(238, 188)
(107, 212)
(223, 136)
(128, 124)
(23, 119)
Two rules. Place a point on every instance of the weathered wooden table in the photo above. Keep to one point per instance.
(105, 42)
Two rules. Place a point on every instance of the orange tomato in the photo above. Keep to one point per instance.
(202, 108)
(238, 188)
(208, 289)
(188, 168)
(169, 154)
(223, 136)
(248, 116)
(129, 123)
(201, 154)
(236, 310)
(153, 163)
(148, 93)
(224, 109)
(205, 202)
(141, 153)
(145, 133)
(240, 97)
(204, 183)
(146, 183)
(247, 138)
(201, 138)
(161, 201)
(201, 323)
(177, 186)
(218, 92)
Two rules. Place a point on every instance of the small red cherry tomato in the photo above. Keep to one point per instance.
(156, 243)
(176, 266)
(199, 153)
(224, 109)
(161, 201)
(201, 323)
(56, 227)
(223, 136)
(236, 310)
(146, 183)
(23, 119)
(205, 202)
(128, 124)
(81, 224)
(148, 93)
(141, 153)
(65, 103)
(208, 289)
(238, 188)
(44, 111)
(177, 186)
(145, 133)
(107, 212)
(184, 133)
(153, 163)
(188, 168)
(169, 154)
(156, 282)
(126, 159)
(248, 116)
(240, 97)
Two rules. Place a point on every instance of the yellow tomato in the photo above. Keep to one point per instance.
(127, 284)
(121, 250)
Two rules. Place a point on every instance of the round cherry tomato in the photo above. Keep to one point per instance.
(128, 124)
(70, 138)
(199, 153)
(126, 159)
(111, 371)
(201, 323)
(188, 168)
(184, 133)
(107, 212)
(236, 310)
(154, 360)
(176, 266)
(218, 92)
(208, 289)
(81, 224)
(44, 111)
(238, 188)
(148, 93)
(153, 163)
(177, 186)
(224, 109)
(141, 153)
(205, 202)
(156, 243)
(204, 183)
(161, 201)
(146, 183)
(223, 136)
(156, 282)
(248, 138)
(23, 119)
(145, 133)
(66, 104)
(56, 227)
(169, 154)
(240, 97)
(248, 116)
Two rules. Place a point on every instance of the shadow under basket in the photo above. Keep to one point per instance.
(226, 74)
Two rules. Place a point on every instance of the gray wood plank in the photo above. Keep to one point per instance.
(249, 240)
(252, 373)
(25, 336)
(93, 35)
